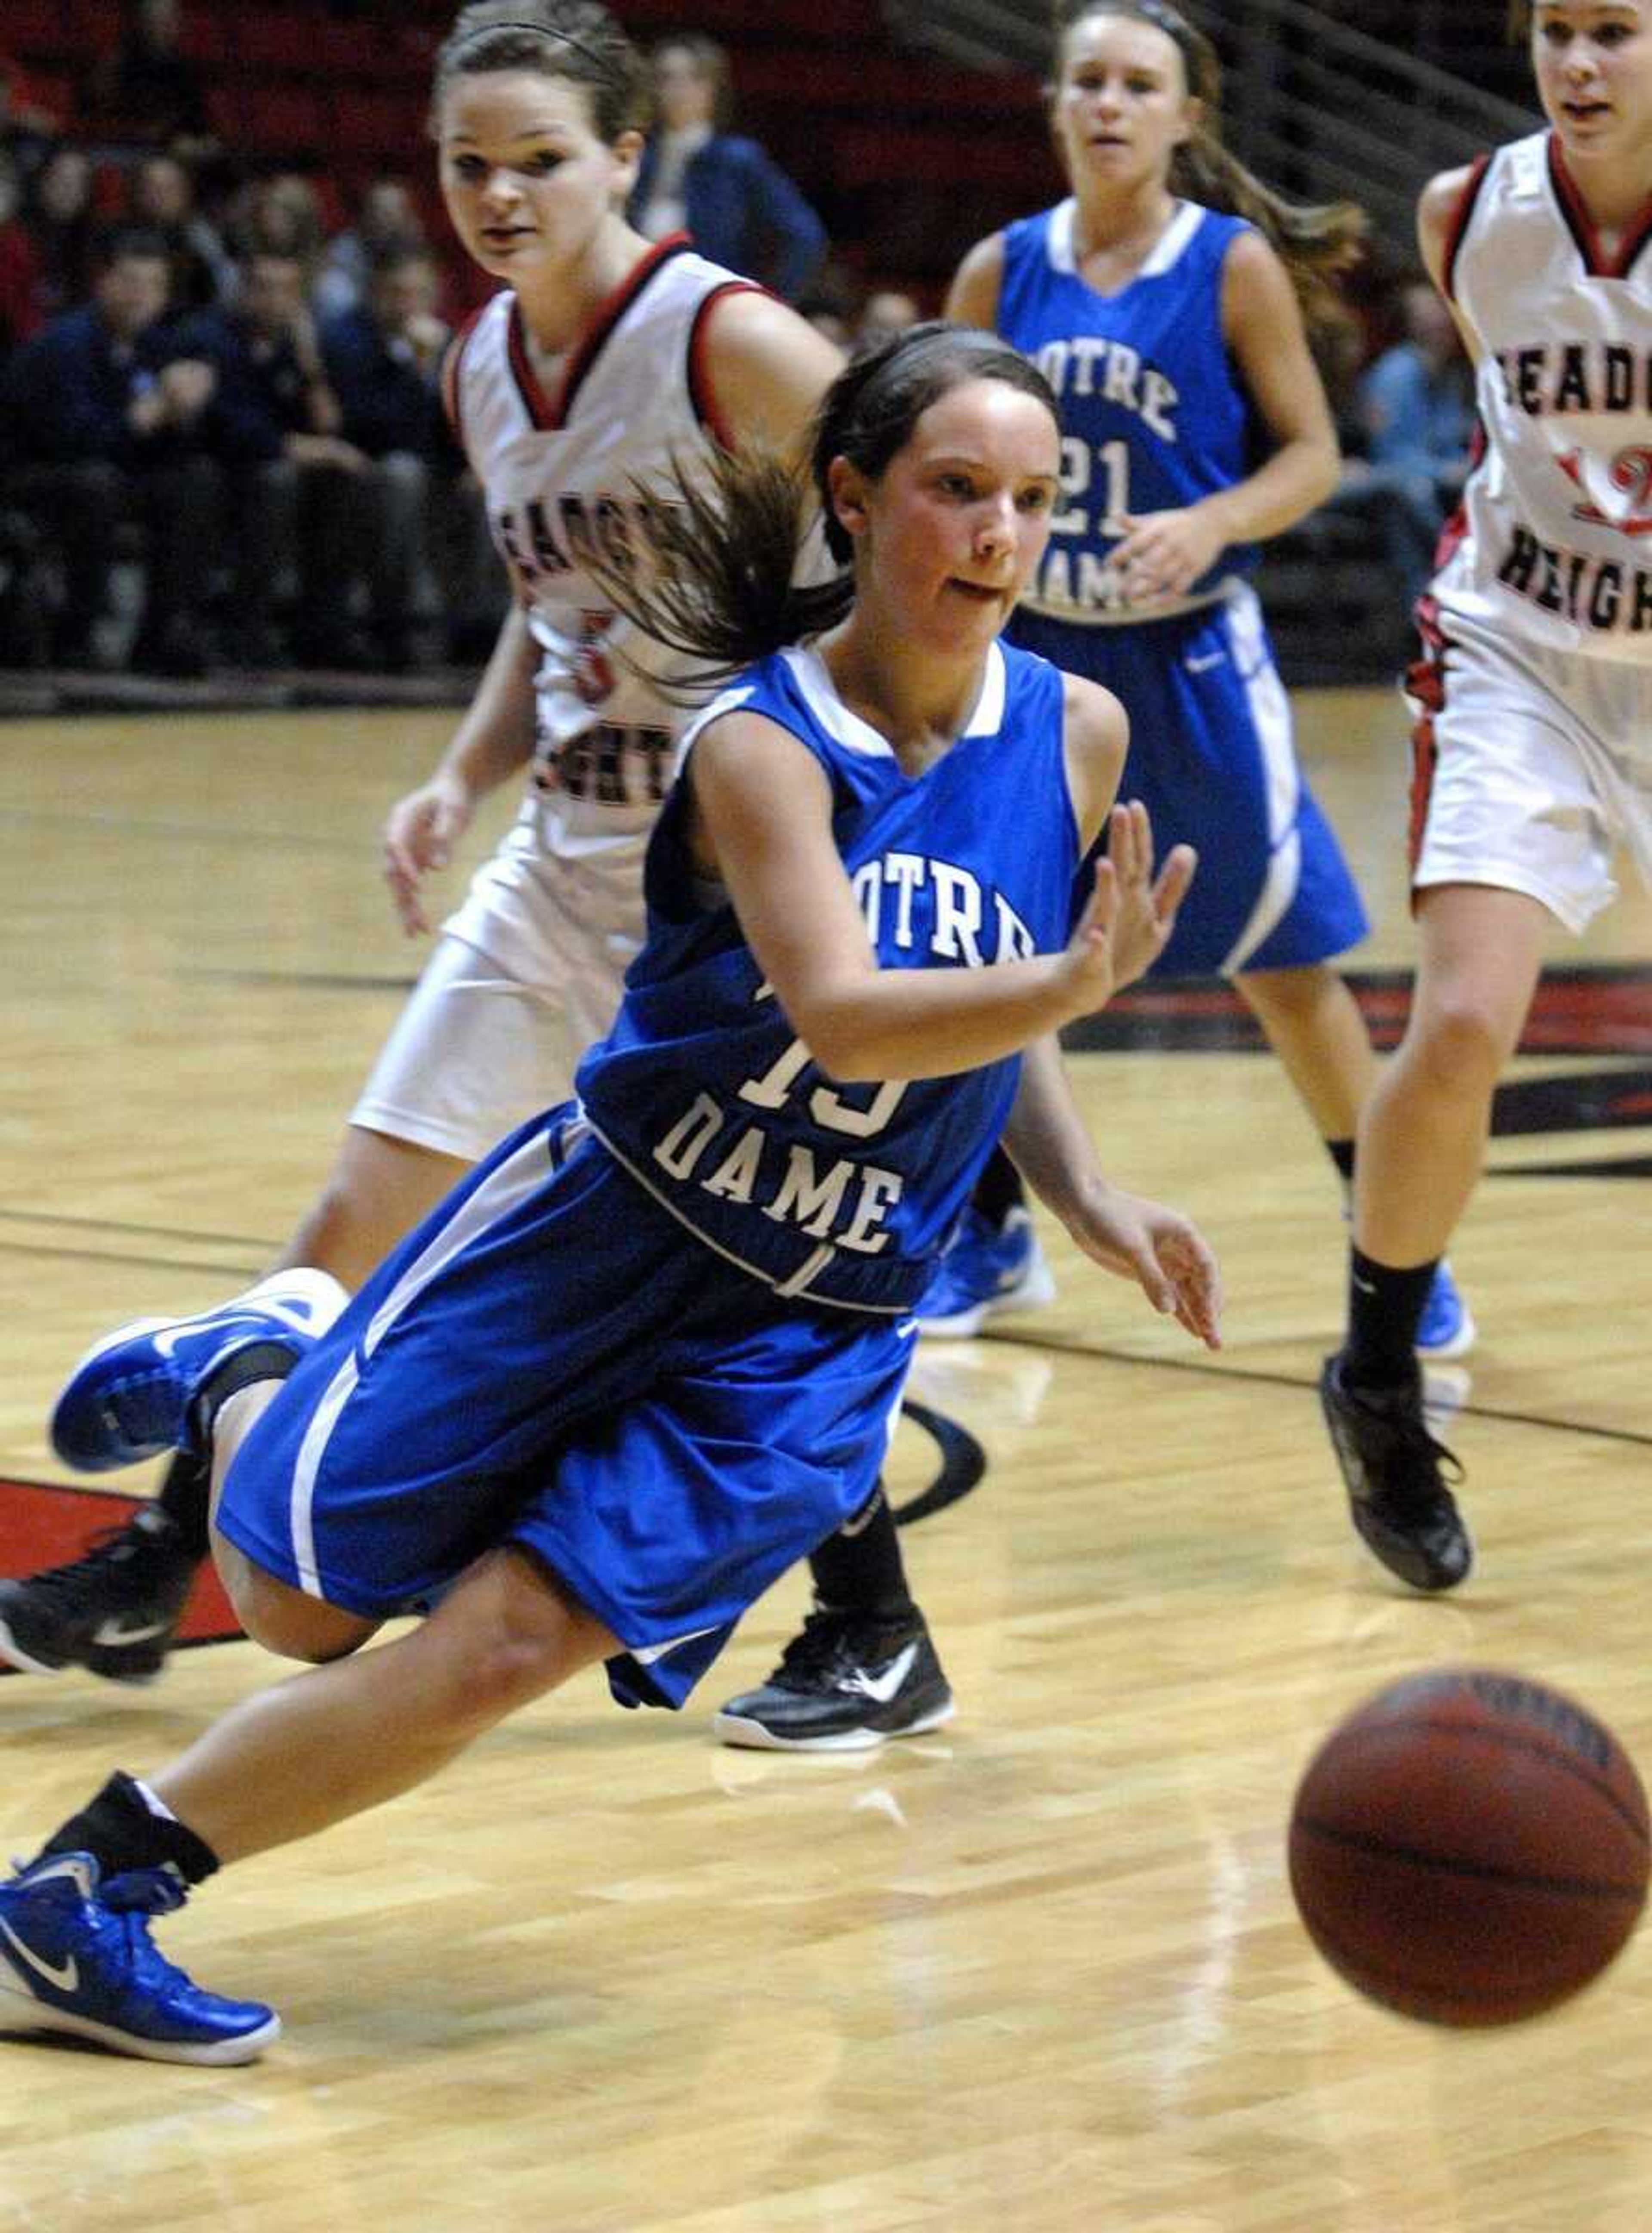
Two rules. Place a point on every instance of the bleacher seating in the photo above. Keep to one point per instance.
(862, 125)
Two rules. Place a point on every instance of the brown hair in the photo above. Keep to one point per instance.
(573, 39)
(711, 60)
(1315, 241)
(725, 542)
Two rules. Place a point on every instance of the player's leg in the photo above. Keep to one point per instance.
(289, 1761)
(1313, 1023)
(1422, 1141)
(862, 1667)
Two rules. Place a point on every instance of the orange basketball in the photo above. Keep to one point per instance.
(1469, 1848)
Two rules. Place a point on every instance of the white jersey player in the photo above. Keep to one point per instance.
(1534, 741)
(529, 969)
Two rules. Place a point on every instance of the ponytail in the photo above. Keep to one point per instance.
(725, 540)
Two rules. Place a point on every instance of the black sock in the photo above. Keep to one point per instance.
(860, 1569)
(999, 1189)
(183, 1499)
(1341, 1154)
(1384, 1306)
(259, 1360)
(121, 1830)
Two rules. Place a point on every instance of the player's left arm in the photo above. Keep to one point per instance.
(1164, 553)
(765, 370)
(1125, 1233)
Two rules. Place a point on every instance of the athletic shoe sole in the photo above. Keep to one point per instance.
(21, 2012)
(753, 1737)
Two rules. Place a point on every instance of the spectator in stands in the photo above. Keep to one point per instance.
(27, 133)
(154, 88)
(388, 224)
(384, 359)
(281, 215)
(737, 205)
(100, 423)
(273, 425)
(20, 305)
(162, 198)
(1407, 441)
(58, 212)
(886, 312)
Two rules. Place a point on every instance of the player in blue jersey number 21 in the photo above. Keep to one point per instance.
(649, 1354)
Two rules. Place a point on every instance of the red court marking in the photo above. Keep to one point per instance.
(43, 1524)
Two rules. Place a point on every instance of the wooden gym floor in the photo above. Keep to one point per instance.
(1039, 1972)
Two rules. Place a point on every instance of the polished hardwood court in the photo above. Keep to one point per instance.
(1036, 1973)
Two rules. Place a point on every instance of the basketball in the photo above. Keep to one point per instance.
(1469, 1848)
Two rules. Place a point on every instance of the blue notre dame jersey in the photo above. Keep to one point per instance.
(843, 1194)
(586, 1369)
(1153, 418)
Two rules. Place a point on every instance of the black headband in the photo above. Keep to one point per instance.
(538, 31)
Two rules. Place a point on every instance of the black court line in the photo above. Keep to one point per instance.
(248, 1272)
(305, 980)
(216, 833)
(113, 1225)
(1257, 1376)
(963, 1464)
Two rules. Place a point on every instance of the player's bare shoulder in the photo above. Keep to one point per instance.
(767, 366)
(973, 298)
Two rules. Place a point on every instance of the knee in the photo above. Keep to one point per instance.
(499, 1670)
(1457, 1045)
(284, 1621)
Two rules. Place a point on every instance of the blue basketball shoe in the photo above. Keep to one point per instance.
(75, 1956)
(1446, 1328)
(130, 1397)
(988, 1270)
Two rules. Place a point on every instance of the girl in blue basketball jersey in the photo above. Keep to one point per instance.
(1170, 329)
(1165, 299)
(650, 1351)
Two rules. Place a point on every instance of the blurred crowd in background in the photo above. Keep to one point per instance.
(222, 442)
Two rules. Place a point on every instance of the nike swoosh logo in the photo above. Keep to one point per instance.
(883, 1687)
(114, 1631)
(300, 1319)
(67, 1979)
(1203, 664)
(1365, 1286)
(907, 1328)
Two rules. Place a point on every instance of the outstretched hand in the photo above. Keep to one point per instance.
(1130, 914)
(1165, 1253)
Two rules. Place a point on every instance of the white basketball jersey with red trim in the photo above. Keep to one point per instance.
(560, 472)
(1554, 542)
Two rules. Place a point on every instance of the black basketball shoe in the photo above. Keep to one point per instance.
(845, 1683)
(1402, 1507)
(114, 1610)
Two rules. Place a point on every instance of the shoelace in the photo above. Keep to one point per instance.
(128, 1902)
(1411, 1440)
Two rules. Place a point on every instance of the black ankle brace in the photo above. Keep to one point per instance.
(121, 1830)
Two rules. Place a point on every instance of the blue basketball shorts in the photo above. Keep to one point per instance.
(1212, 759)
(551, 1360)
